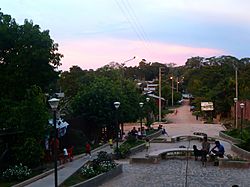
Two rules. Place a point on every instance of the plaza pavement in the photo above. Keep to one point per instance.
(177, 172)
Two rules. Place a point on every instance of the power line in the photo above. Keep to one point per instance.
(132, 21)
(137, 22)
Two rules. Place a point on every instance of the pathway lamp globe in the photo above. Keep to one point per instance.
(241, 121)
(117, 105)
(147, 99)
(54, 104)
(141, 105)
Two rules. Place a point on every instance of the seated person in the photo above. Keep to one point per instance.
(218, 149)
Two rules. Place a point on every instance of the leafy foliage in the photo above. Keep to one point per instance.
(28, 58)
(17, 173)
(101, 164)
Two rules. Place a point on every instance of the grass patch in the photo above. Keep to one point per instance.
(74, 179)
(7, 184)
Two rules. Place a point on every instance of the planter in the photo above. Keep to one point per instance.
(100, 179)
(241, 152)
(230, 138)
(141, 147)
(226, 163)
(154, 135)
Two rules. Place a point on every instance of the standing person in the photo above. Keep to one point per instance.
(164, 132)
(204, 150)
(65, 155)
(147, 145)
(111, 143)
(88, 149)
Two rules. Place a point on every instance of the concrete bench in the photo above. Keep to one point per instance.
(177, 138)
(165, 153)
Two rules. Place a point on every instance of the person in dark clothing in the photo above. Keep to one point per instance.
(197, 152)
(218, 149)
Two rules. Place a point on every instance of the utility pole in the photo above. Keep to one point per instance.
(236, 96)
(172, 79)
(177, 84)
(160, 94)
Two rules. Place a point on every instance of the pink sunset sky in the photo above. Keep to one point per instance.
(93, 54)
(93, 33)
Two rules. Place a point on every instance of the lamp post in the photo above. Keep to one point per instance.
(54, 104)
(172, 78)
(241, 107)
(236, 95)
(141, 105)
(235, 112)
(147, 99)
(117, 104)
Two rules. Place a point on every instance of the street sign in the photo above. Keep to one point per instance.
(207, 106)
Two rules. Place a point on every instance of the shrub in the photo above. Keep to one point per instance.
(88, 171)
(17, 173)
(29, 153)
(105, 166)
(102, 163)
(124, 150)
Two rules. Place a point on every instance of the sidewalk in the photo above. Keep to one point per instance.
(68, 169)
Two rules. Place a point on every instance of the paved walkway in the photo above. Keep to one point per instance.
(68, 169)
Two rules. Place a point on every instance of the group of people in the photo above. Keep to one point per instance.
(140, 133)
(217, 151)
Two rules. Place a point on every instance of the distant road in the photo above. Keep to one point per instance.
(183, 122)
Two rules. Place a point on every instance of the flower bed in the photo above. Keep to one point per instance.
(94, 172)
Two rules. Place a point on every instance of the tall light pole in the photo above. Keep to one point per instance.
(241, 121)
(148, 99)
(172, 78)
(54, 104)
(122, 82)
(235, 112)
(236, 96)
(141, 105)
(177, 84)
(160, 94)
(117, 104)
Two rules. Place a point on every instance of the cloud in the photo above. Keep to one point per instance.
(92, 54)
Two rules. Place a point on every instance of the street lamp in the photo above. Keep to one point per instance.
(172, 78)
(241, 107)
(117, 104)
(236, 112)
(141, 105)
(54, 104)
(148, 114)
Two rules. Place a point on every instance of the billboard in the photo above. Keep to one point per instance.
(207, 106)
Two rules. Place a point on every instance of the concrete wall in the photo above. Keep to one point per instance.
(241, 152)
